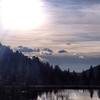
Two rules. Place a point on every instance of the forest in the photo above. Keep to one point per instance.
(17, 69)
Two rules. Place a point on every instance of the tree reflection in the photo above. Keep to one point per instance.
(23, 94)
(91, 91)
(99, 93)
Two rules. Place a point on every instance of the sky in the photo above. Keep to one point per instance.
(72, 25)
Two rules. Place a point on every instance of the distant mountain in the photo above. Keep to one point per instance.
(64, 58)
(17, 69)
(27, 50)
(23, 49)
(46, 51)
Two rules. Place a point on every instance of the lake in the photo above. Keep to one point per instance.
(70, 95)
(58, 94)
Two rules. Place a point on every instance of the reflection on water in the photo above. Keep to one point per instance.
(70, 95)
(26, 94)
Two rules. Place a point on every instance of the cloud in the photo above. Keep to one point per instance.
(81, 57)
(62, 51)
(23, 49)
(68, 22)
(73, 20)
(88, 36)
(68, 43)
(34, 51)
(46, 51)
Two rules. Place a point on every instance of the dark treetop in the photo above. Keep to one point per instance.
(19, 70)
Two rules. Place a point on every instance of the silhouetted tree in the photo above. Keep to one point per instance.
(17, 69)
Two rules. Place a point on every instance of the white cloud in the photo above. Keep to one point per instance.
(68, 20)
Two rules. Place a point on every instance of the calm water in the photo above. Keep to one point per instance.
(70, 95)
(49, 95)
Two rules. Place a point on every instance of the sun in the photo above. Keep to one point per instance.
(21, 14)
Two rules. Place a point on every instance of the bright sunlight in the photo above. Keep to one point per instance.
(21, 15)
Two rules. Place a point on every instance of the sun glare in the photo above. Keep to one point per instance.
(21, 14)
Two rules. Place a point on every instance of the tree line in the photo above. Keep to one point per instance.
(18, 69)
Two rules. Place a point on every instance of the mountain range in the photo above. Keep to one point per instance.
(18, 69)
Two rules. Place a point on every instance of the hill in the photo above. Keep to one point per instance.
(17, 69)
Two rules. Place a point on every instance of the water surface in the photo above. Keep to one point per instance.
(70, 95)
